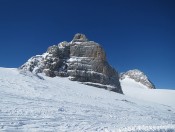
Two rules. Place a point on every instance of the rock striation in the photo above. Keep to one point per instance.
(79, 60)
(138, 76)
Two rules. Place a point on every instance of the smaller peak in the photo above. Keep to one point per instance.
(138, 76)
(79, 38)
(135, 70)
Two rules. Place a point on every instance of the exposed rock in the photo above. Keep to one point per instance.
(138, 76)
(80, 60)
(79, 38)
(33, 64)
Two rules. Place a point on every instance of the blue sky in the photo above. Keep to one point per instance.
(135, 33)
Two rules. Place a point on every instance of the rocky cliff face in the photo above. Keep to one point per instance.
(138, 76)
(80, 60)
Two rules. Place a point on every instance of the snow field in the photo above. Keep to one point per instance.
(40, 103)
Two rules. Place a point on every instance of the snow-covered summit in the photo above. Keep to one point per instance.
(138, 76)
(80, 60)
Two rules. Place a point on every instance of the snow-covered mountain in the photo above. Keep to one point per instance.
(137, 76)
(80, 60)
(47, 93)
(35, 102)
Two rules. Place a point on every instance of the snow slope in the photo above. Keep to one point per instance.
(137, 90)
(40, 103)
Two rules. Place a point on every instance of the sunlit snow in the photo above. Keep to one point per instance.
(39, 103)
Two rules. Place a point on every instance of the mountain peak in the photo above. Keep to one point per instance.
(79, 37)
(79, 60)
(138, 76)
(137, 71)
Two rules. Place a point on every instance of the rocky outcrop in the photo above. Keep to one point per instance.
(138, 76)
(79, 38)
(80, 60)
